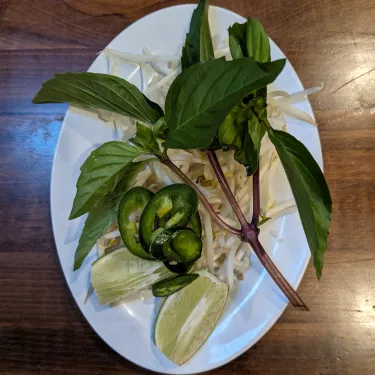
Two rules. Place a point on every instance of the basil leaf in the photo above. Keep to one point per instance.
(98, 220)
(256, 130)
(232, 129)
(100, 174)
(247, 154)
(160, 129)
(198, 45)
(144, 138)
(202, 96)
(103, 214)
(237, 40)
(243, 134)
(257, 41)
(310, 191)
(249, 40)
(102, 91)
(126, 182)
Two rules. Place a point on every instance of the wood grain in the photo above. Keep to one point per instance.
(330, 41)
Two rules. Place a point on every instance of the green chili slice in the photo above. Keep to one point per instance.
(172, 285)
(131, 207)
(179, 202)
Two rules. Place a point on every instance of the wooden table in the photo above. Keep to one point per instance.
(330, 41)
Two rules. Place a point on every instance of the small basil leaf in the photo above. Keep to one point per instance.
(247, 155)
(232, 129)
(249, 40)
(310, 191)
(102, 91)
(129, 173)
(98, 220)
(100, 174)
(237, 40)
(244, 135)
(103, 214)
(202, 96)
(144, 138)
(198, 45)
(256, 130)
(257, 41)
(160, 129)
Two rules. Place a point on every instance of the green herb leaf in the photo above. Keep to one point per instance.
(128, 176)
(231, 130)
(242, 134)
(102, 215)
(237, 40)
(160, 129)
(310, 191)
(257, 41)
(202, 96)
(100, 174)
(249, 40)
(198, 45)
(97, 222)
(256, 130)
(247, 155)
(144, 138)
(102, 91)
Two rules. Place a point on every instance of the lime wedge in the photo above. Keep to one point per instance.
(188, 317)
(121, 274)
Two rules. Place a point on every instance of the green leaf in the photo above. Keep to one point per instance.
(242, 134)
(100, 173)
(101, 91)
(202, 96)
(198, 45)
(247, 155)
(232, 129)
(102, 215)
(97, 222)
(237, 40)
(144, 138)
(256, 130)
(160, 129)
(257, 41)
(310, 191)
(249, 40)
(127, 179)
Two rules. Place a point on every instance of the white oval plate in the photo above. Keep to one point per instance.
(127, 328)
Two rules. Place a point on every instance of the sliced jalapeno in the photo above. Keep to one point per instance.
(179, 202)
(177, 267)
(172, 285)
(160, 247)
(186, 244)
(131, 207)
(195, 224)
(177, 244)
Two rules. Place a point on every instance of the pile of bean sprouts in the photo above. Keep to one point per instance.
(223, 254)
